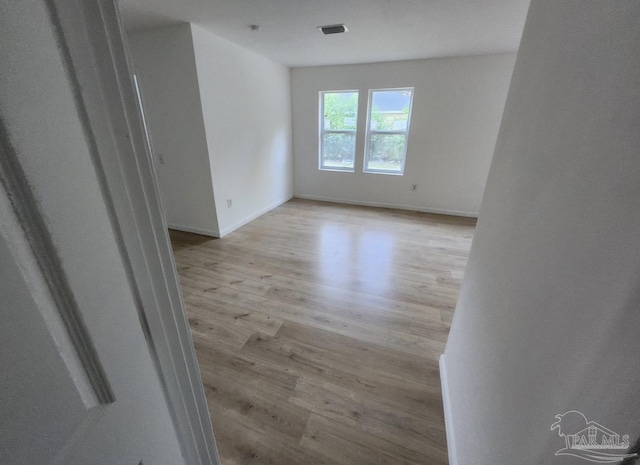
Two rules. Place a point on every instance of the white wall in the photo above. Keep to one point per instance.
(246, 103)
(548, 317)
(458, 104)
(167, 76)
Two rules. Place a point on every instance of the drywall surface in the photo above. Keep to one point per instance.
(165, 65)
(548, 317)
(246, 103)
(457, 107)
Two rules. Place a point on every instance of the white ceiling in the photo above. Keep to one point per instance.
(379, 30)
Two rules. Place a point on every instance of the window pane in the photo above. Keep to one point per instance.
(390, 110)
(340, 110)
(386, 152)
(338, 151)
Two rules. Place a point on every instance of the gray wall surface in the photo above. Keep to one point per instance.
(549, 312)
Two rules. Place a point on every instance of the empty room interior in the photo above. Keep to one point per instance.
(296, 232)
(322, 189)
(322, 192)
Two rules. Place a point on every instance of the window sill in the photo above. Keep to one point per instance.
(389, 173)
(336, 170)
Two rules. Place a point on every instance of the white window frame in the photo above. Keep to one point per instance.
(324, 131)
(370, 132)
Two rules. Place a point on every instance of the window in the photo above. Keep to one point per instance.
(338, 123)
(387, 130)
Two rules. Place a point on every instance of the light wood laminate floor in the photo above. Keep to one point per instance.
(318, 329)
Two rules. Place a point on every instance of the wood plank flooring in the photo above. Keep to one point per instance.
(318, 329)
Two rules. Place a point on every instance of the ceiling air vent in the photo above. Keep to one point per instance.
(333, 29)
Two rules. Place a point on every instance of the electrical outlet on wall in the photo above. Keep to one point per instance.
(229, 203)
(160, 159)
(414, 187)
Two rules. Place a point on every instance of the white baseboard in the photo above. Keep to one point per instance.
(446, 402)
(203, 232)
(388, 205)
(248, 219)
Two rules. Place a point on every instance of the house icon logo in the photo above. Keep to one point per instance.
(589, 440)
